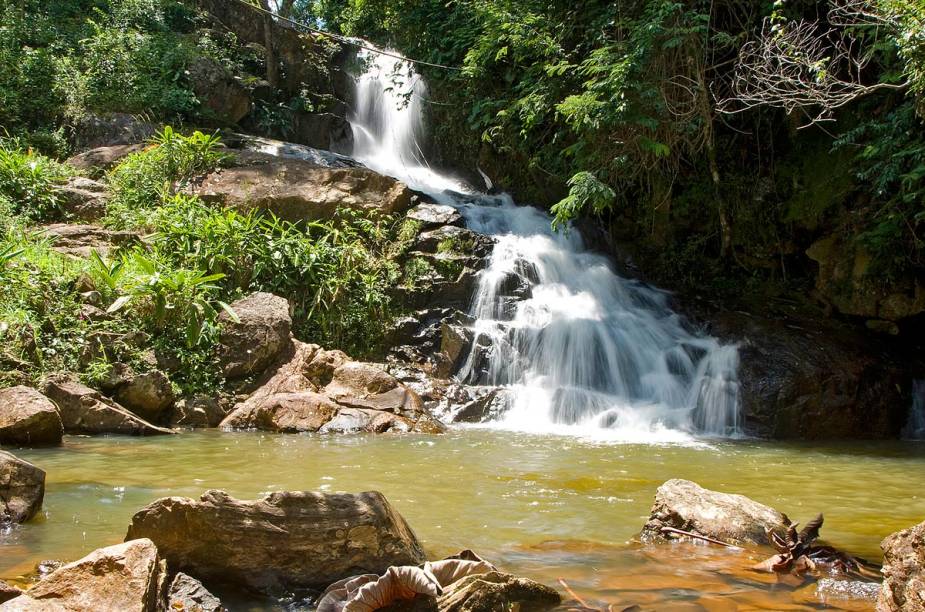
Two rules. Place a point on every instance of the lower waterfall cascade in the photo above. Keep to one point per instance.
(574, 347)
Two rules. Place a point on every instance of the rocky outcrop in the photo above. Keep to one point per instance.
(22, 489)
(127, 577)
(286, 540)
(80, 240)
(297, 190)
(100, 160)
(187, 593)
(82, 199)
(807, 380)
(28, 418)
(259, 336)
(224, 98)
(312, 389)
(903, 587)
(85, 411)
(682, 504)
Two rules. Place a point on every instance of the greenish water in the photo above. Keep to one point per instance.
(544, 506)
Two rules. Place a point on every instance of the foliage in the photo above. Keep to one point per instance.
(27, 181)
(585, 192)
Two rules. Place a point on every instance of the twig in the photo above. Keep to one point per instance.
(574, 594)
(697, 536)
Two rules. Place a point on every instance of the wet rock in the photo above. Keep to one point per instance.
(100, 160)
(8, 592)
(198, 412)
(812, 380)
(297, 190)
(432, 216)
(111, 129)
(363, 385)
(487, 592)
(353, 420)
(127, 577)
(258, 338)
(322, 131)
(82, 199)
(251, 150)
(223, 97)
(450, 238)
(488, 405)
(80, 240)
(303, 411)
(22, 489)
(287, 540)
(903, 587)
(187, 593)
(85, 411)
(455, 342)
(149, 395)
(682, 504)
(28, 418)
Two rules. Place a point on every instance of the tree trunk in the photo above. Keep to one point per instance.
(725, 225)
(272, 64)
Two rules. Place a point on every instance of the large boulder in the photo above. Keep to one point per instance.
(100, 160)
(303, 411)
(297, 190)
(149, 395)
(85, 411)
(22, 488)
(223, 96)
(199, 412)
(284, 541)
(684, 505)
(259, 336)
(128, 577)
(903, 587)
(28, 418)
(187, 593)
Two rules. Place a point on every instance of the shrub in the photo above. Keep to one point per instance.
(27, 181)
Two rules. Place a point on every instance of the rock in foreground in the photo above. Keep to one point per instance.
(28, 418)
(22, 488)
(903, 571)
(126, 577)
(286, 540)
(187, 593)
(8, 592)
(682, 504)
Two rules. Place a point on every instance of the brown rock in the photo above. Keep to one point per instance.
(488, 592)
(149, 395)
(8, 592)
(320, 369)
(903, 587)
(102, 159)
(82, 199)
(85, 411)
(80, 240)
(187, 593)
(127, 577)
(258, 338)
(297, 190)
(198, 412)
(352, 420)
(283, 412)
(221, 94)
(28, 418)
(286, 540)
(685, 505)
(22, 488)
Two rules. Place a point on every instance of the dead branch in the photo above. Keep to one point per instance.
(697, 536)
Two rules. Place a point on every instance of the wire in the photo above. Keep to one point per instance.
(343, 39)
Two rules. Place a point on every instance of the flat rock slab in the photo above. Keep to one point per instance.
(284, 541)
(85, 411)
(28, 418)
(903, 587)
(126, 577)
(736, 519)
(22, 489)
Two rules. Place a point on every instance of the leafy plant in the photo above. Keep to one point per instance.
(27, 181)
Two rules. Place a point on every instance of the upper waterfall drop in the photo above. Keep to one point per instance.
(575, 347)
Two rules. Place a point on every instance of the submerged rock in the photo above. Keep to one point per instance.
(22, 489)
(187, 594)
(28, 418)
(261, 334)
(85, 411)
(127, 577)
(903, 587)
(735, 519)
(297, 190)
(284, 541)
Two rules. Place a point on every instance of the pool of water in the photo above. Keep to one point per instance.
(547, 507)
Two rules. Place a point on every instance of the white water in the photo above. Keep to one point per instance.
(577, 348)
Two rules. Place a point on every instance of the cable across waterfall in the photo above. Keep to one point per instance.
(573, 346)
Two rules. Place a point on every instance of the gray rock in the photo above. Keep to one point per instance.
(100, 160)
(187, 593)
(682, 504)
(432, 216)
(82, 199)
(111, 129)
(903, 588)
(22, 489)
(251, 344)
(287, 540)
(28, 418)
(80, 240)
(221, 94)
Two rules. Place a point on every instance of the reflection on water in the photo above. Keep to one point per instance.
(544, 506)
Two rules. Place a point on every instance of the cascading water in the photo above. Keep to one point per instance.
(575, 347)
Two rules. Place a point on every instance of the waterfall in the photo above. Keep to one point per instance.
(574, 347)
(915, 428)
